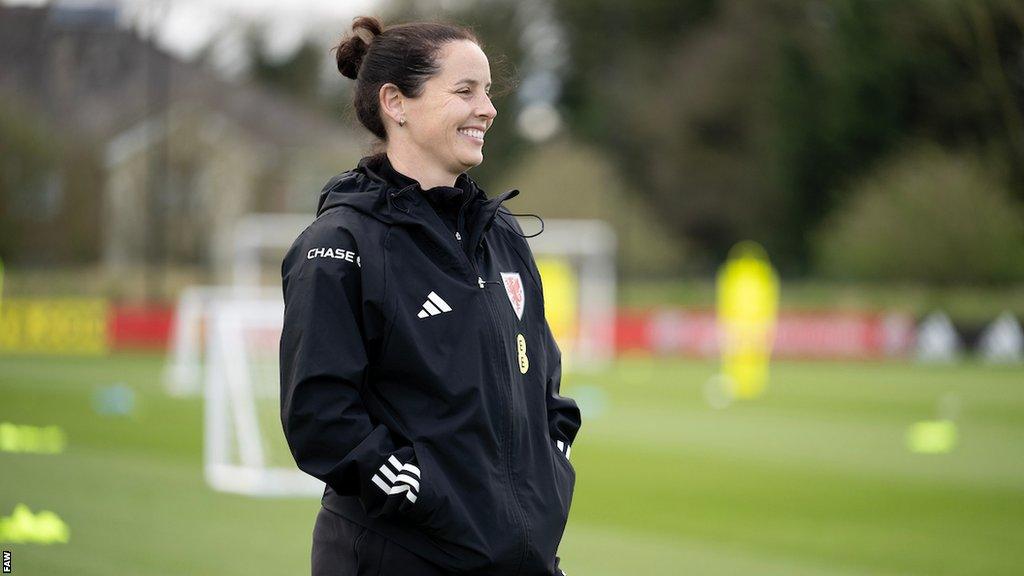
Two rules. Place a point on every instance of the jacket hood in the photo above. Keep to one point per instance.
(361, 188)
(365, 190)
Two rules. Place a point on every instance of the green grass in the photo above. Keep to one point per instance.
(812, 479)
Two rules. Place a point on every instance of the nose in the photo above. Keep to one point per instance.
(487, 110)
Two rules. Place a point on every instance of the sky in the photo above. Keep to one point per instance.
(185, 26)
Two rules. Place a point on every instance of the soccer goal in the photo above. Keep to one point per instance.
(244, 449)
(252, 254)
(576, 259)
(183, 370)
(224, 345)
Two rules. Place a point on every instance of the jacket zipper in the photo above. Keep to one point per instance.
(518, 509)
(507, 369)
(507, 366)
(460, 222)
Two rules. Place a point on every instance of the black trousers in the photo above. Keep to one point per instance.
(343, 548)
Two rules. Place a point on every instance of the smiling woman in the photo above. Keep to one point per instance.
(424, 90)
(419, 378)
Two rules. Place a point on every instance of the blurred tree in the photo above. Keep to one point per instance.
(843, 97)
(905, 221)
(748, 120)
(678, 93)
(981, 57)
(297, 73)
(26, 160)
(49, 212)
(869, 74)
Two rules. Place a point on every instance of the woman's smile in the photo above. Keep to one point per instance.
(474, 134)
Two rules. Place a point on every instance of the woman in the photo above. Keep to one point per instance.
(419, 378)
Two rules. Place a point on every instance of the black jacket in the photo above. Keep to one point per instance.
(414, 388)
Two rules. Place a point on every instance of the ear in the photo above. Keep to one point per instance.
(392, 102)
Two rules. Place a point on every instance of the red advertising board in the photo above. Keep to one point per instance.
(819, 334)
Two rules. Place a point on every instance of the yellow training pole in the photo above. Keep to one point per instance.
(747, 303)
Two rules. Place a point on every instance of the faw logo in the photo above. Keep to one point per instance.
(336, 253)
(514, 289)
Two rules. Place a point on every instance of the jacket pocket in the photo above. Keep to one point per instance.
(561, 455)
(565, 474)
(430, 511)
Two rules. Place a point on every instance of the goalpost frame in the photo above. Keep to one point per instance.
(592, 244)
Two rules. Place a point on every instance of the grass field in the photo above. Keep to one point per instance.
(813, 479)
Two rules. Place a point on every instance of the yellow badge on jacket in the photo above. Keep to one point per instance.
(524, 361)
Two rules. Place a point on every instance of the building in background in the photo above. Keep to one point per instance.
(174, 154)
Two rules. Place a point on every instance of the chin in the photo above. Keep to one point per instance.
(471, 160)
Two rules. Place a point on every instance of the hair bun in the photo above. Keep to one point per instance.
(351, 51)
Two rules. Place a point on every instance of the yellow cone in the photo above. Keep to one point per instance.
(932, 437)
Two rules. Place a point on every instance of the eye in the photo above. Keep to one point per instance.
(464, 91)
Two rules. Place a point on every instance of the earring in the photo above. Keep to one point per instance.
(401, 122)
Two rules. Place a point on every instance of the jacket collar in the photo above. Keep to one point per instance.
(445, 199)
(410, 209)
(366, 190)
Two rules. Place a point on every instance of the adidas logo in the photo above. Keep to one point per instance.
(433, 306)
(400, 478)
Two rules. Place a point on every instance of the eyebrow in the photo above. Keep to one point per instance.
(471, 82)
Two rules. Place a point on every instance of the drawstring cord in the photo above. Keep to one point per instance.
(526, 214)
(480, 279)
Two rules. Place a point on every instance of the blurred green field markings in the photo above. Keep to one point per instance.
(805, 422)
(44, 391)
(796, 471)
(813, 479)
(147, 515)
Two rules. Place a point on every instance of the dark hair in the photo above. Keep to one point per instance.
(404, 55)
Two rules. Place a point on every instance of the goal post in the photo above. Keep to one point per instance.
(244, 449)
(224, 345)
(183, 368)
(576, 259)
(257, 244)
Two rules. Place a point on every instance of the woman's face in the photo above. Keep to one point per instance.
(447, 121)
